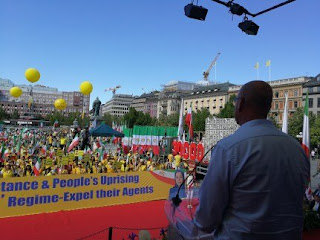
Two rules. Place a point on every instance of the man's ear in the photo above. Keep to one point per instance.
(241, 104)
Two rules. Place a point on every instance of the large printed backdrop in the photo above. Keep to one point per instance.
(31, 195)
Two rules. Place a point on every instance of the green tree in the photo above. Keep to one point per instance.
(55, 116)
(108, 119)
(15, 114)
(134, 117)
(3, 114)
(131, 117)
(168, 121)
(273, 120)
(118, 120)
(295, 122)
(315, 133)
(228, 110)
(173, 120)
(199, 119)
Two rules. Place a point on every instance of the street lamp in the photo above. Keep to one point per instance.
(299, 136)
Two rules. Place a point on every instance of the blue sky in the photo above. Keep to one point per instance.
(147, 43)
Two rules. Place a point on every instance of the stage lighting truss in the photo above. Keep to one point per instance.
(247, 26)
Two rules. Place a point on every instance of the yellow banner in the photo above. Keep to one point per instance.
(31, 195)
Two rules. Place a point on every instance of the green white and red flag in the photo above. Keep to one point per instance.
(74, 143)
(36, 168)
(306, 132)
(44, 149)
(145, 138)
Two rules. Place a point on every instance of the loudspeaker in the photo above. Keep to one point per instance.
(249, 27)
(195, 12)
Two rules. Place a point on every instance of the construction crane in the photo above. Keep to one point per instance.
(113, 89)
(206, 73)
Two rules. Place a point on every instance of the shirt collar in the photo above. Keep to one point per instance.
(257, 122)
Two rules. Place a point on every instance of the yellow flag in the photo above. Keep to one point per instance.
(257, 65)
(268, 63)
(82, 115)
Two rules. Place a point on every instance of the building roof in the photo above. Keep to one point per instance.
(313, 82)
(211, 90)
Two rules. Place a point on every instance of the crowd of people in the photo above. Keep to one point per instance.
(312, 200)
(22, 149)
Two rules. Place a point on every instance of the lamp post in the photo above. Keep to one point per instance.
(299, 136)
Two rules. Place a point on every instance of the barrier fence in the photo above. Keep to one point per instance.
(127, 233)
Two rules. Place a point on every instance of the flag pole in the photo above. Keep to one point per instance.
(270, 72)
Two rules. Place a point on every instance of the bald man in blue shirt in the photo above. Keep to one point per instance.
(257, 177)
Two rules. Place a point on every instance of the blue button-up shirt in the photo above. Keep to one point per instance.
(254, 186)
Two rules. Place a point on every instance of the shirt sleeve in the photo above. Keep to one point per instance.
(214, 191)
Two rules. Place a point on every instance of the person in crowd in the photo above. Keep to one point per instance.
(7, 171)
(313, 153)
(177, 161)
(28, 172)
(315, 203)
(257, 177)
(39, 146)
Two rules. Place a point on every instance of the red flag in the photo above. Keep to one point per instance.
(188, 122)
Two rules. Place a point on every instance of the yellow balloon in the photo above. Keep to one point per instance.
(15, 92)
(32, 75)
(86, 88)
(60, 104)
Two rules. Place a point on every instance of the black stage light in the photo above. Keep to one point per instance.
(237, 9)
(196, 12)
(249, 27)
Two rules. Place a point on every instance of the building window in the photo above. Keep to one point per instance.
(295, 104)
(310, 89)
(318, 113)
(318, 103)
(295, 93)
(310, 102)
(276, 94)
(276, 106)
(281, 93)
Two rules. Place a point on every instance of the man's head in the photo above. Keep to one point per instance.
(253, 102)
